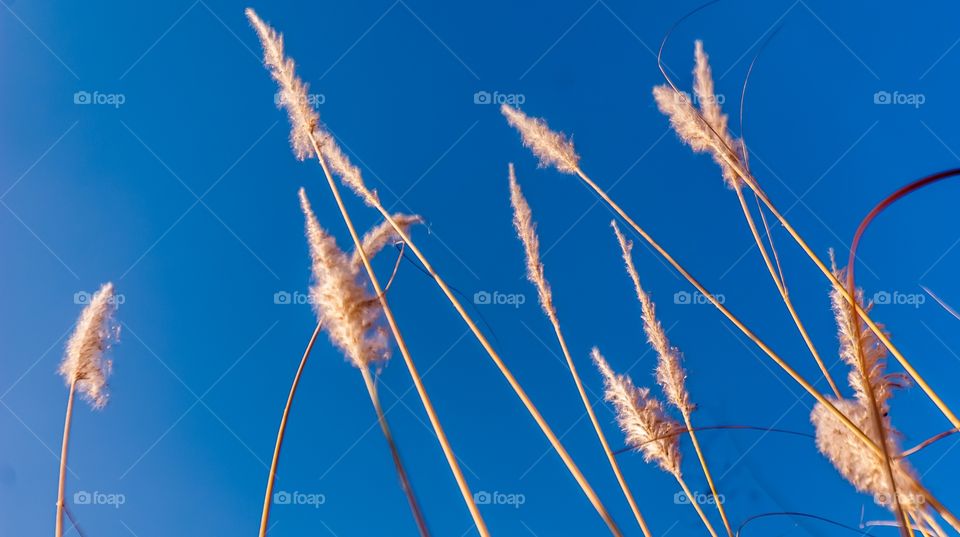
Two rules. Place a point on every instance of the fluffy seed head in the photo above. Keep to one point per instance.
(703, 88)
(84, 361)
(304, 120)
(377, 238)
(350, 175)
(670, 373)
(342, 303)
(552, 148)
(642, 418)
(526, 230)
(856, 462)
(849, 329)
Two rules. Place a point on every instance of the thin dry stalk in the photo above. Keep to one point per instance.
(394, 452)
(272, 42)
(670, 373)
(526, 230)
(271, 477)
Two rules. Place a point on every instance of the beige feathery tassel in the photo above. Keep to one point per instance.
(642, 418)
(85, 369)
(348, 311)
(856, 463)
(377, 238)
(84, 361)
(552, 148)
(670, 373)
(874, 352)
(304, 120)
(647, 426)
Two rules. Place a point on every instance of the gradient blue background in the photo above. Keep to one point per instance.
(185, 197)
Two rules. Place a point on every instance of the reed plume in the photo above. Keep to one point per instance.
(304, 120)
(646, 425)
(526, 230)
(85, 368)
(862, 468)
(274, 54)
(351, 315)
(378, 237)
(341, 302)
(670, 374)
(552, 148)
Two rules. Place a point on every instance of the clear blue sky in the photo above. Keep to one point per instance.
(177, 183)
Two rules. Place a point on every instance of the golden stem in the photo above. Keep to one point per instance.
(404, 351)
(268, 496)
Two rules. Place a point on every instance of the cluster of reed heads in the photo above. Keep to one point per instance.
(854, 432)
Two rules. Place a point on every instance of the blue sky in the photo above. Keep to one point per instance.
(176, 182)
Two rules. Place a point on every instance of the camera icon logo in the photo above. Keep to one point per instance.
(680, 498)
(482, 97)
(82, 97)
(282, 498)
(82, 498)
(881, 297)
(81, 297)
(482, 297)
(882, 97)
(682, 297)
(282, 297)
(482, 498)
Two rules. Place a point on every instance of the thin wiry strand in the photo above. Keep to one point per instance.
(526, 230)
(856, 462)
(670, 373)
(642, 418)
(304, 120)
(377, 238)
(347, 310)
(703, 88)
(84, 361)
(849, 329)
(348, 173)
(552, 148)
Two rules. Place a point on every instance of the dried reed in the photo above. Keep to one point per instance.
(670, 373)
(85, 369)
(526, 230)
